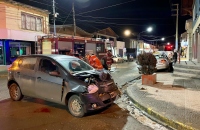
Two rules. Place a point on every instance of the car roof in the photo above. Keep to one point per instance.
(53, 56)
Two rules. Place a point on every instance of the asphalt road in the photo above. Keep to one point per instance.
(32, 114)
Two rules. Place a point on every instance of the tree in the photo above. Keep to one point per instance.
(147, 63)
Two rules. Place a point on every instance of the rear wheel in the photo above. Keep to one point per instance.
(15, 92)
(76, 106)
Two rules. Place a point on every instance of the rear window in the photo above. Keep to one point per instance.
(28, 63)
(15, 63)
(159, 56)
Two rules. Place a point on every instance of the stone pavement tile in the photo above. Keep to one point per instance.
(197, 83)
(178, 82)
(179, 105)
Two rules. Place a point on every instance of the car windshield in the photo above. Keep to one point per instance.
(74, 65)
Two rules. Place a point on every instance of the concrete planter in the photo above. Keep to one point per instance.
(149, 79)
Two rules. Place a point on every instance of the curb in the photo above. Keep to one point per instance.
(3, 75)
(174, 124)
(135, 78)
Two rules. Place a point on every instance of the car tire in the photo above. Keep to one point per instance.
(76, 106)
(15, 92)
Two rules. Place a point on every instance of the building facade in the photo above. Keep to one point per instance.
(20, 25)
(109, 37)
(186, 42)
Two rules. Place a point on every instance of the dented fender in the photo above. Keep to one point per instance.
(79, 88)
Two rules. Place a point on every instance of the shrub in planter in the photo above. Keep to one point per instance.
(147, 63)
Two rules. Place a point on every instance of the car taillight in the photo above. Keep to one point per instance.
(162, 61)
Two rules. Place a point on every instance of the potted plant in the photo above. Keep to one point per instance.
(147, 67)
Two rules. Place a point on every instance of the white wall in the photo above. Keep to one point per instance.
(120, 45)
(62, 45)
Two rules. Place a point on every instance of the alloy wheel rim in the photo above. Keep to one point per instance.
(14, 92)
(76, 106)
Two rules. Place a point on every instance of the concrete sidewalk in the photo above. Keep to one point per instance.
(172, 100)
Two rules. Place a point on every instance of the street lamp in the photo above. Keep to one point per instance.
(127, 32)
(149, 29)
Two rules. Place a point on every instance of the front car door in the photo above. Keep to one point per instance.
(48, 87)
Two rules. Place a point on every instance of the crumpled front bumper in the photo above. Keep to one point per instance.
(95, 101)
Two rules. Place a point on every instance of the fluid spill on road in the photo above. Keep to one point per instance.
(42, 110)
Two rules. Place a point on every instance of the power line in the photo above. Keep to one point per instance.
(108, 23)
(106, 7)
(40, 3)
(65, 19)
(118, 18)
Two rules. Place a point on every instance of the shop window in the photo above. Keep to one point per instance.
(1, 55)
(100, 47)
(31, 22)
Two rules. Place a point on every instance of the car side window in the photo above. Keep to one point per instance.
(47, 66)
(28, 63)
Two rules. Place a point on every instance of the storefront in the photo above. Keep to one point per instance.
(10, 50)
(1, 53)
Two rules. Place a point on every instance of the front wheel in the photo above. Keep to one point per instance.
(76, 106)
(15, 92)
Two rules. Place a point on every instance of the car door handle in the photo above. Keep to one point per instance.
(38, 77)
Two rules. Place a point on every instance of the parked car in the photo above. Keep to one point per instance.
(162, 61)
(118, 59)
(62, 79)
(130, 58)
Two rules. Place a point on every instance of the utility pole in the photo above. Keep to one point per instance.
(54, 18)
(176, 14)
(74, 18)
(54, 27)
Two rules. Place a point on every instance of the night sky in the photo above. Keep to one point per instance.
(136, 15)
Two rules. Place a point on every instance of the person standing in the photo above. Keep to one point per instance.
(128, 57)
(86, 58)
(95, 62)
(103, 61)
(175, 56)
(109, 59)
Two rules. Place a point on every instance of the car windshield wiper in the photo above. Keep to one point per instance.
(80, 72)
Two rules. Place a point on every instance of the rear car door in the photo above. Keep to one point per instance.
(48, 87)
(26, 73)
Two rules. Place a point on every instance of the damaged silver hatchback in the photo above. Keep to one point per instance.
(62, 79)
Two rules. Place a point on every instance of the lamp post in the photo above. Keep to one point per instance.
(128, 33)
(149, 29)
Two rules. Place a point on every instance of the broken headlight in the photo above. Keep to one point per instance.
(92, 88)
